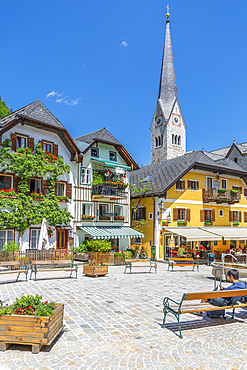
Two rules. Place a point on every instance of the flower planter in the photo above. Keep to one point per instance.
(208, 223)
(95, 271)
(182, 223)
(81, 257)
(28, 329)
(9, 196)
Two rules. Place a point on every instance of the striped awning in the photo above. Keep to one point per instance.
(193, 233)
(108, 232)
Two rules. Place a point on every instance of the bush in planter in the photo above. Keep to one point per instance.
(124, 254)
(98, 245)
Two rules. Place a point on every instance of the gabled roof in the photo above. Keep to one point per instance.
(35, 111)
(166, 173)
(168, 87)
(101, 135)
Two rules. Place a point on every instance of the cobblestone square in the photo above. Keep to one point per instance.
(115, 323)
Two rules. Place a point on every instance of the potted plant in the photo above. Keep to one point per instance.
(95, 269)
(50, 232)
(29, 315)
(80, 253)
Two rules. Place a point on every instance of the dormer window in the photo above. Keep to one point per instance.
(95, 152)
(112, 156)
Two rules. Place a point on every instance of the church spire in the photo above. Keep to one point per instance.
(168, 86)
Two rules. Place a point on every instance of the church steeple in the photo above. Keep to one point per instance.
(168, 130)
(168, 87)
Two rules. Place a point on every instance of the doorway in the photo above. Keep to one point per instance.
(62, 239)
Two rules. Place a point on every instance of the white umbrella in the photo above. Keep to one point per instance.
(43, 236)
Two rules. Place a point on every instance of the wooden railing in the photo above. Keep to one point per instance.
(214, 195)
(25, 257)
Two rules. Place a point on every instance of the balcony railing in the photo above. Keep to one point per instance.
(225, 196)
(109, 190)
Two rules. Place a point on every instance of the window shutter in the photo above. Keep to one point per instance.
(213, 215)
(69, 191)
(202, 214)
(16, 183)
(197, 185)
(245, 192)
(44, 187)
(189, 184)
(31, 143)
(183, 184)
(240, 190)
(133, 215)
(188, 215)
(175, 214)
(13, 141)
(230, 216)
(240, 216)
(55, 150)
(245, 216)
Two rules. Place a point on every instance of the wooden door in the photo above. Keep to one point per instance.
(62, 239)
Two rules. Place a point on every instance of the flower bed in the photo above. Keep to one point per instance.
(30, 321)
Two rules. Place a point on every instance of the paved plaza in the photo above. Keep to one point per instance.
(115, 323)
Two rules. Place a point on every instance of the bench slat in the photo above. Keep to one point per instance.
(208, 307)
(220, 294)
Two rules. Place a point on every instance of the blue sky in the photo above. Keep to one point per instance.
(100, 62)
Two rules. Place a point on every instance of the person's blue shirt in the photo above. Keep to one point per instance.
(234, 286)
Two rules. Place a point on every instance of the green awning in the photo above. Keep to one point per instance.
(111, 232)
(111, 164)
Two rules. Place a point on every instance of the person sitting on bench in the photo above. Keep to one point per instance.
(233, 275)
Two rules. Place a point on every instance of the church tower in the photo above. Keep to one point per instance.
(168, 130)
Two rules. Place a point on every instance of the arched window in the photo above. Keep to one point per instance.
(236, 159)
(159, 140)
(179, 140)
(176, 140)
(172, 139)
(156, 142)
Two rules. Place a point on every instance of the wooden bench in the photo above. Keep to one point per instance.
(182, 262)
(130, 263)
(16, 268)
(43, 266)
(186, 306)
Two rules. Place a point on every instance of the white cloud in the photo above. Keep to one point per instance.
(64, 99)
(124, 43)
(52, 94)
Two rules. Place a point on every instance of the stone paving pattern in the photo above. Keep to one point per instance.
(114, 322)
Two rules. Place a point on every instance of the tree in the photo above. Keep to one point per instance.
(21, 208)
(4, 110)
(141, 190)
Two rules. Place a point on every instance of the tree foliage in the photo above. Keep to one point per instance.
(4, 110)
(22, 211)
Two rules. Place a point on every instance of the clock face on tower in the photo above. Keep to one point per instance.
(158, 121)
(176, 119)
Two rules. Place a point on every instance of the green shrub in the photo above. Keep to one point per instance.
(10, 246)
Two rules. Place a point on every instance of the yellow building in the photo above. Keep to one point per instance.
(196, 201)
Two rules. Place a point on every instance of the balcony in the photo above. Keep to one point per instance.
(112, 192)
(220, 196)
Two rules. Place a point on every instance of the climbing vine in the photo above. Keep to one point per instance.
(21, 210)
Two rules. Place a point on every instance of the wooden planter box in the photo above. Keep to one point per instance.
(81, 257)
(27, 329)
(95, 271)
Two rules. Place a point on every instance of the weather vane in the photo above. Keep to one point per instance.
(167, 14)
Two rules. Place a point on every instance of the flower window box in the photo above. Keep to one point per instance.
(235, 223)
(119, 218)
(182, 223)
(104, 218)
(63, 198)
(208, 223)
(8, 193)
(87, 218)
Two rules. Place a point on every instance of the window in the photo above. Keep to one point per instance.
(140, 214)
(181, 214)
(5, 182)
(147, 178)
(137, 240)
(35, 185)
(245, 192)
(34, 238)
(85, 175)
(5, 237)
(60, 189)
(112, 156)
(208, 215)
(224, 242)
(118, 210)
(176, 140)
(180, 185)
(21, 142)
(193, 185)
(47, 147)
(159, 142)
(209, 183)
(172, 139)
(223, 184)
(87, 209)
(235, 216)
(237, 187)
(179, 140)
(103, 210)
(150, 216)
(236, 159)
(215, 243)
(95, 152)
(221, 213)
(156, 142)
